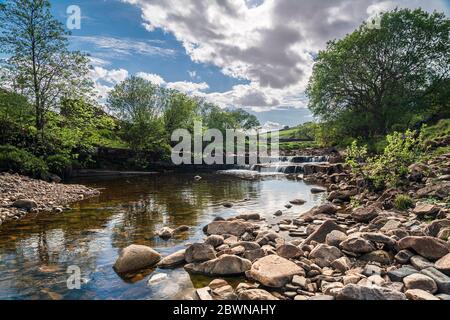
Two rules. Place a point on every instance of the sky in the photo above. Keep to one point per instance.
(255, 54)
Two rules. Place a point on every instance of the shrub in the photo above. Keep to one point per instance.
(355, 156)
(58, 164)
(403, 202)
(23, 162)
(389, 168)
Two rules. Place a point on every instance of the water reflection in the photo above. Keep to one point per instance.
(36, 252)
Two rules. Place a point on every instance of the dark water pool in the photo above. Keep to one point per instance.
(36, 252)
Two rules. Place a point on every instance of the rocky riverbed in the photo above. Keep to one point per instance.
(21, 195)
(334, 251)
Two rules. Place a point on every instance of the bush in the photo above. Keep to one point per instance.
(23, 162)
(59, 164)
(403, 202)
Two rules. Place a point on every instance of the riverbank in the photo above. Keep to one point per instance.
(339, 250)
(20, 195)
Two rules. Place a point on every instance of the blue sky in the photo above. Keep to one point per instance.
(256, 54)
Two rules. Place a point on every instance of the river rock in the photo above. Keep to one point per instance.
(253, 255)
(166, 233)
(289, 251)
(357, 245)
(379, 238)
(442, 281)
(256, 294)
(323, 255)
(397, 275)
(274, 271)
(249, 216)
(365, 214)
(357, 292)
(136, 257)
(428, 247)
(214, 240)
(318, 190)
(417, 294)
(420, 281)
(435, 227)
(235, 228)
(379, 256)
(425, 209)
(343, 264)
(342, 195)
(199, 252)
(443, 264)
(420, 262)
(172, 260)
(403, 256)
(322, 231)
(181, 229)
(335, 238)
(225, 265)
(25, 204)
(439, 190)
(297, 202)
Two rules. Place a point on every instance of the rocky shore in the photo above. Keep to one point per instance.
(339, 250)
(21, 195)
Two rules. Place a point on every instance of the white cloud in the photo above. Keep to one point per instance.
(271, 126)
(124, 47)
(153, 78)
(188, 87)
(269, 43)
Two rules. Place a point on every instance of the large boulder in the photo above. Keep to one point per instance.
(428, 247)
(136, 257)
(172, 260)
(357, 292)
(199, 252)
(365, 214)
(225, 265)
(215, 240)
(323, 255)
(256, 294)
(235, 228)
(274, 271)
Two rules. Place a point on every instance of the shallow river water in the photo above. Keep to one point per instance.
(36, 252)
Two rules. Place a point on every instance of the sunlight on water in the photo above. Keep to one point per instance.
(35, 252)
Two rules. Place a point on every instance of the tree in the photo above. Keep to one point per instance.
(39, 63)
(140, 105)
(377, 80)
(181, 112)
(245, 120)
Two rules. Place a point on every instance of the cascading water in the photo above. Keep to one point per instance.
(282, 165)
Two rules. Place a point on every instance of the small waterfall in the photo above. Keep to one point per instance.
(276, 166)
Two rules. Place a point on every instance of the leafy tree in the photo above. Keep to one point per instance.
(245, 120)
(140, 105)
(39, 63)
(181, 112)
(376, 80)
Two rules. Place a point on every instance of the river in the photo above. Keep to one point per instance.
(36, 251)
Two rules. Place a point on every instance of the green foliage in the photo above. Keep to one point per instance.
(59, 164)
(376, 81)
(356, 155)
(390, 167)
(23, 162)
(403, 202)
(39, 64)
